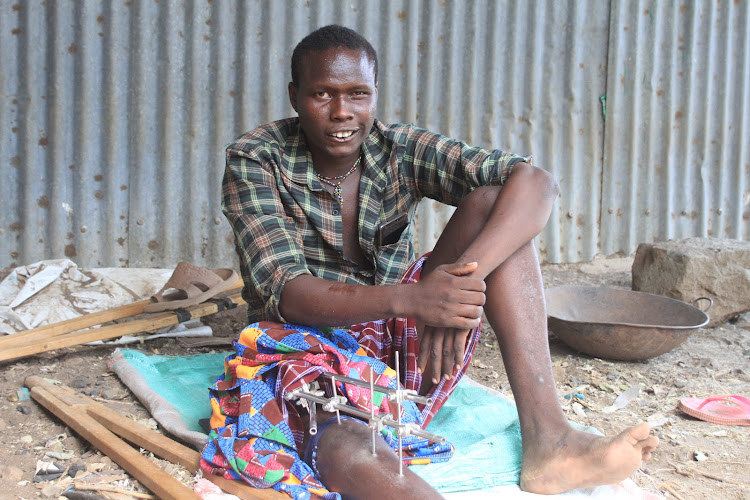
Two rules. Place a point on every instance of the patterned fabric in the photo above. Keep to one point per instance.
(286, 224)
(257, 435)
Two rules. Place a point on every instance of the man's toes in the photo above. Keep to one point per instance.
(651, 443)
(641, 431)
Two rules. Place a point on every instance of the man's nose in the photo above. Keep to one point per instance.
(340, 109)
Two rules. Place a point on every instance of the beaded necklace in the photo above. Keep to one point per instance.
(338, 192)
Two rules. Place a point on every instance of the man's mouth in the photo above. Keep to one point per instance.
(343, 134)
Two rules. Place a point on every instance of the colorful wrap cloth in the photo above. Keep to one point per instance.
(257, 436)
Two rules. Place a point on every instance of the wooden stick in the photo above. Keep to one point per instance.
(149, 439)
(73, 324)
(669, 488)
(81, 322)
(37, 346)
(691, 471)
(141, 468)
(110, 489)
(140, 435)
(245, 491)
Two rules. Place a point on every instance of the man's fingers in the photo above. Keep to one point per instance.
(430, 343)
(460, 268)
(459, 346)
(448, 355)
(424, 349)
(436, 353)
(468, 322)
(470, 297)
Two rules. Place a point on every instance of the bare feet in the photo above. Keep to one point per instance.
(581, 460)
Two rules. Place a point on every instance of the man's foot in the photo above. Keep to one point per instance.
(581, 460)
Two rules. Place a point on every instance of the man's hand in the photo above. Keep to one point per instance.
(449, 305)
(444, 348)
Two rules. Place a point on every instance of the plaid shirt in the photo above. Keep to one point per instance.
(286, 224)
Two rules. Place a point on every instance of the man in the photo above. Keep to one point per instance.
(320, 206)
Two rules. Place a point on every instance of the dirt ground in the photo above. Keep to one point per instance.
(695, 460)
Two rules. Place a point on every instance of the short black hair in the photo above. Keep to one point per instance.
(329, 37)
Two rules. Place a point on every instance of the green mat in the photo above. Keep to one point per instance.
(482, 426)
(182, 381)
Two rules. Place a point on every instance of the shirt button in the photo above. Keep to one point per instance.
(335, 212)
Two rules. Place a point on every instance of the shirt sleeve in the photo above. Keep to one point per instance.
(266, 240)
(447, 170)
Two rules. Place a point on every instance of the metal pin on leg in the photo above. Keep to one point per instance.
(372, 410)
(335, 396)
(313, 418)
(398, 409)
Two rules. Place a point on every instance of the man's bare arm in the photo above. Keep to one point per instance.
(443, 298)
(520, 213)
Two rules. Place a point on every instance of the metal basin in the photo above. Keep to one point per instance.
(620, 324)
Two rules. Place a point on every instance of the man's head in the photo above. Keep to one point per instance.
(330, 37)
(335, 93)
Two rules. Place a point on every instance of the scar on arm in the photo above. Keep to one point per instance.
(342, 288)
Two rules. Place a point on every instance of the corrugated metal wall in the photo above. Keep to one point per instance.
(113, 115)
(677, 145)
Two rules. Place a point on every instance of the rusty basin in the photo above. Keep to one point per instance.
(620, 324)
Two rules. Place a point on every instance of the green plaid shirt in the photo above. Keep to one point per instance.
(286, 224)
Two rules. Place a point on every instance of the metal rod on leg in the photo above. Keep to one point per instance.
(338, 413)
(409, 394)
(331, 405)
(313, 418)
(372, 410)
(398, 409)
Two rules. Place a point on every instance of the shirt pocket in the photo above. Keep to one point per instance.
(391, 232)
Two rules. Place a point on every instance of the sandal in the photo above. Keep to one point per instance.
(719, 409)
(190, 285)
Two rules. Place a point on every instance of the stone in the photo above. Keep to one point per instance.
(80, 382)
(697, 267)
(11, 473)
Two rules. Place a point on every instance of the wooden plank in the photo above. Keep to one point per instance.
(141, 468)
(37, 346)
(159, 444)
(85, 321)
(245, 491)
(73, 324)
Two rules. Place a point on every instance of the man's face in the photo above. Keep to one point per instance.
(335, 98)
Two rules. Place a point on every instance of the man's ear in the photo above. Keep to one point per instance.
(292, 95)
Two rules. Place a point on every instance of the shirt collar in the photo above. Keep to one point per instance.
(297, 161)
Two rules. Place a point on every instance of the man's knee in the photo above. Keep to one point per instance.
(339, 441)
(480, 201)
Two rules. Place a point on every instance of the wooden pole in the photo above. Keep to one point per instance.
(137, 465)
(140, 435)
(81, 322)
(36, 346)
(73, 324)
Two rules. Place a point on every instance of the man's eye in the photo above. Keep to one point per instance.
(322, 93)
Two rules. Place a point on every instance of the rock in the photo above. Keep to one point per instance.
(52, 490)
(743, 321)
(11, 473)
(697, 267)
(110, 394)
(80, 382)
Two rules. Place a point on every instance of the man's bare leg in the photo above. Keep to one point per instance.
(556, 457)
(347, 466)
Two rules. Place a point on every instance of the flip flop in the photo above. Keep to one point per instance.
(190, 285)
(713, 409)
